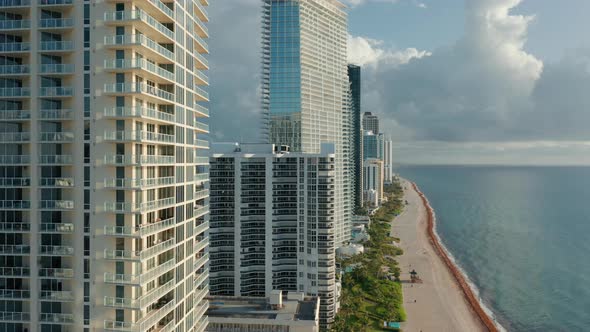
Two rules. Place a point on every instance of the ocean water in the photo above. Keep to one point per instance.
(522, 236)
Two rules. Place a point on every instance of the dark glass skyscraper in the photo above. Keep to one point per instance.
(354, 78)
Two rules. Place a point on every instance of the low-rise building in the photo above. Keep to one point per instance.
(277, 313)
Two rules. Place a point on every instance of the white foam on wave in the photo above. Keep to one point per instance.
(473, 287)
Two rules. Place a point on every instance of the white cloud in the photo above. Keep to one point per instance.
(354, 3)
(370, 52)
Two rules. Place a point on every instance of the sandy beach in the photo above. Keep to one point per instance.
(437, 304)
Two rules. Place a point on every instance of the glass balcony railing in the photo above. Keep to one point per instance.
(201, 160)
(140, 231)
(15, 137)
(65, 273)
(157, 249)
(201, 143)
(165, 9)
(15, 205)
(14, 316)
(57, 295)
(56, 91)
(15, 271)
(15, 159)
(200, 211)
(139, 14)
(138, 88)
(200, 229)
(56, 318)
(15, 47)
(57, 227)
(202, 59)
(202, 126)
(201, 109)
(199, 73)
(15, 182)
(15, 114)
(15, 249)
(121, 254)
(15, 24)
(202, 177)
(56, 205)
(120, 112)
(111, 325)
(15, 227)
(55, 159)
(201, 194)
(56, 250)
(61, 114)
(64, 136)
(139, 279)
(57, 23)
(138, 160)
(57, 45)
(14, 69)
(15, 92)
(139, 64)
(138, 136)
(55, 2)
(139, 183)
(56, 182)
(14, 3)
(137, 39)
(56, 68)
(204, 94)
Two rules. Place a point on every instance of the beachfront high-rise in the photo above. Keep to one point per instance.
(272, 223)
(354, 78)
(305, 86)
(387, 160)
(103, 209)
(371, 122)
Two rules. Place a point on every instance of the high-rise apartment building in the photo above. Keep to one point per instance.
(354, 79)
(388, 160)
(373, 145)
(305, 86)
(273, 223)
(103, 209)
(373, 181)
(371, 122)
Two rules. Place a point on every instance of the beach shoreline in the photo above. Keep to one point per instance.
(468, 292)
(438, 302)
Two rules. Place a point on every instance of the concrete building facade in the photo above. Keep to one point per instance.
(354, 79)
(273, 223)
(373, 181)
(103, 209)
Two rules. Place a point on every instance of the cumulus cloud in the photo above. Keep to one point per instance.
(370, 52)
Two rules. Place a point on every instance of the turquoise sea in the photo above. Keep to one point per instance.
(521, 235)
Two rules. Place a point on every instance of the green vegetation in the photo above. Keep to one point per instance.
(371, 293)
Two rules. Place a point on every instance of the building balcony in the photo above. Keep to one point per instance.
(111, 325)
(15, 182)
(64, 228)
(14, 25)
(158, 72)
(18, 272)
(15, 227)
(121, 254)
(63, 136)
(59, 114)
(57, 46)
(57, 182)
(162, 33)
(56, 91)
(201, 11)
(15, 249)
(56, 250)
(200, 29)
(16, 47)
(64, 159)
(15, 70)
(15, 137)
(204, 242)
(56, 68)
(139, 183)
(56, 205)
(138, 136)
(200, 94)
(57, 318)
(200, 211)
(158, 51)
(202, 144)
(139, 279)
(157, 249)
(60, 296)
(141, 231)
(15, 115)
(154, 316)
(59, 273)
(139, 112)
(201, 160)
(159, 10)
(202, 177)
(201, 194)
(15, 92)
(15, 205)
(201, 110)
(201, 44)
(14, 3)
(48, 3)
(130, 160)
(200, 262)
(202, 62)
(140, 88)
(14, 294)
(15, 316)
(56, 23)
(200, 77)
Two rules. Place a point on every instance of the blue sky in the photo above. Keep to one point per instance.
(454, 81)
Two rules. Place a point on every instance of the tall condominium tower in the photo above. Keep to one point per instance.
(103, 212)
(354, 78)
(305, 86)
(371, 123)
(272, 223)
(373, 145)
(388, 160)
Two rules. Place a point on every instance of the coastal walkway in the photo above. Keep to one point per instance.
(436, 304)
